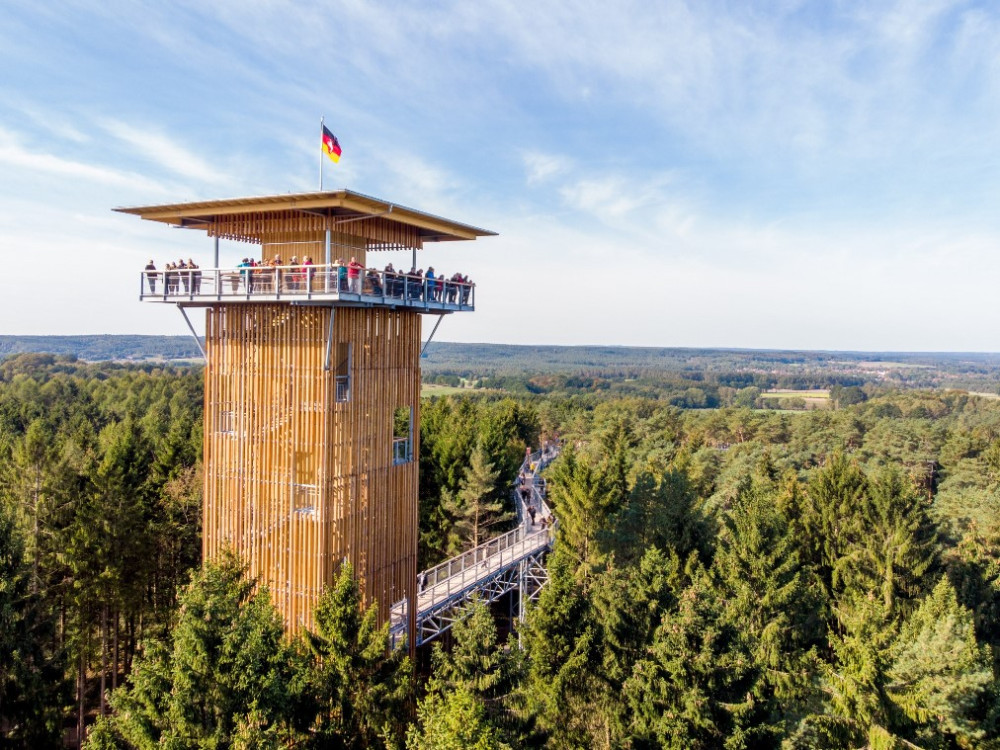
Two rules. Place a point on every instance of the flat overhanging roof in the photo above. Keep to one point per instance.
(341, 206)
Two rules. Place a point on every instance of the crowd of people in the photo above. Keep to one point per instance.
(274, 275)
(182, 274)
(531, 489)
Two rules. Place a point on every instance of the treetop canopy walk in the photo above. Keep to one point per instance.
(514, 560)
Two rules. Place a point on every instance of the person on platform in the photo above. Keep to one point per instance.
(354, 270)
(151, 276)
(373, 283)
(391, 281)
(453, 286)
(195, 272)
(431, 285)
(341, 275)
(308, 271)
(170, 278)
(185, 276)
(466, 289)
(277, 275)
(243, 265)
(412, 284)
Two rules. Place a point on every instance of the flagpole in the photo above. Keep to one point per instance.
(321, 125)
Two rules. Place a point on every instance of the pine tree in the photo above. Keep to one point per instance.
(477, 506)
(225, 675)
(33, 691)
(479, 667)
(453, 720)
(361, 686)
(939, 673)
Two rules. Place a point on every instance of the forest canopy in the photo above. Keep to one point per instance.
(738, 577)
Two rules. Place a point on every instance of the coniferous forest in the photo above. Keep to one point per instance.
(729, 576)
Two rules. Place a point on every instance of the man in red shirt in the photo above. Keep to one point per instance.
(354, 276)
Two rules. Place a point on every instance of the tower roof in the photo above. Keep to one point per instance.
(338, 206)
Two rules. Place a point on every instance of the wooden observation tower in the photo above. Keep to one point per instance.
(312, 387)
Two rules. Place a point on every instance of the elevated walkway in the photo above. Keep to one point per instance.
(514, 560)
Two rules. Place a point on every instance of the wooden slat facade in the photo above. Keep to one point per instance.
(295, 481)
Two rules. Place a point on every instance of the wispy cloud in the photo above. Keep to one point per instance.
(15, 155)
(165, 151)
(542, 167)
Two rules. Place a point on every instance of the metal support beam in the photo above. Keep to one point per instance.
(195, 335)
(329, 339)
(328, 261)
(433, 331)
(216, 253)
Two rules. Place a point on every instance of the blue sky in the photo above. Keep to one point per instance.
(817, 175)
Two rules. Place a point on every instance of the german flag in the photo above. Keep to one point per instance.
(331, 147)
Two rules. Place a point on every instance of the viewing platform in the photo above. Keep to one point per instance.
(306, 284)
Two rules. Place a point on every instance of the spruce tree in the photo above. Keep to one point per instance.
(33, 691)
(693, 689)
(892, 549)
(477, 506)
(776, 606)
(562, 648)
(361, 686)
(939, 672)
(477, 668)
(225, 678)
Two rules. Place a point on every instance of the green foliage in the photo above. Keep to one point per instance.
(469, 692)
(225, 674)
(451, 432)
(584, 498)
(692, 690)
(477, 506)
(939, 672)
(361, 688)
(560, 639)
(32, 688)
(454, 720)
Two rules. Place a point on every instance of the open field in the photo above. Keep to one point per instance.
(814, 398)
(811, 394)
(436, 389)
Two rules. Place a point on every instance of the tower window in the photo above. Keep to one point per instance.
(402, 435)
(342, 373)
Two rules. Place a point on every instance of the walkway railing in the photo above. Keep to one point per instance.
(320, 283)
(491, 568)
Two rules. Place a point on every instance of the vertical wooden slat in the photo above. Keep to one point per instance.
(288, 433)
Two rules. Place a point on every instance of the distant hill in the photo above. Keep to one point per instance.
(104, 348)
(623, 361)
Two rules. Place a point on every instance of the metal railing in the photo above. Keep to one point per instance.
(343, 389)
(444, 579)
(445, 586)
(401, 450)
(267, 283)
(447, 578)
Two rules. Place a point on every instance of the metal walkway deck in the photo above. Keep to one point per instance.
(514, 560)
